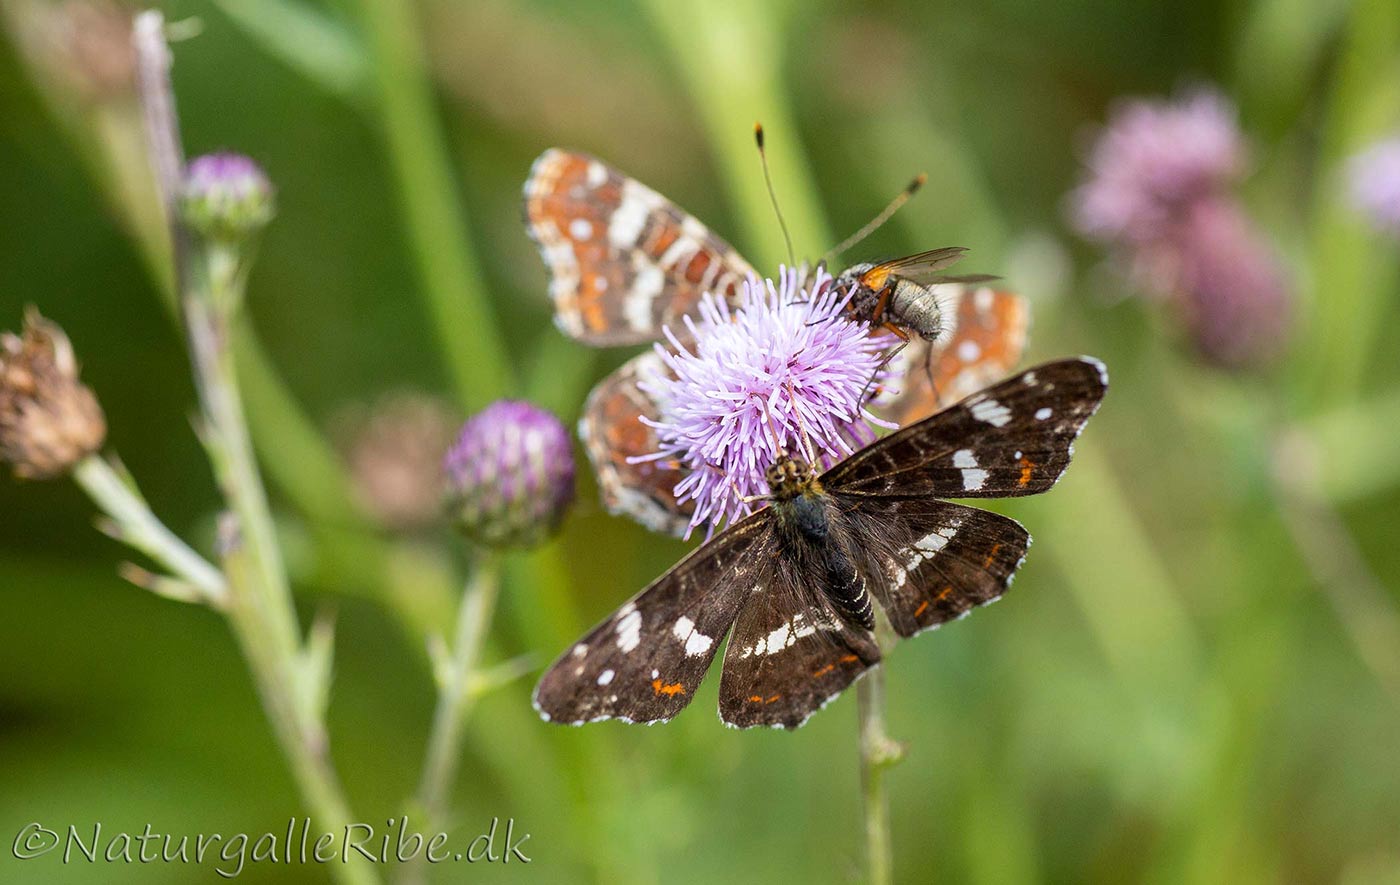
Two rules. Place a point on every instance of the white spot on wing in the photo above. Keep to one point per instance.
(605, 677)
(969, 351)
(991, 412)
(628, 219)
(581, 229)
(597, 174)
(1042, 413)
(629, 629)
(640, 298)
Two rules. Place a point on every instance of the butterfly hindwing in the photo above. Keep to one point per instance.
(1014, 438)
(645, 661)
(934, 561)
(617, 441)
(623, 260)
(986, 334)
(789, 655)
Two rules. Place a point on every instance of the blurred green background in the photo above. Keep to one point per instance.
(1197, 677)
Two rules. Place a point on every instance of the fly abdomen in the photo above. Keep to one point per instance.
(846, 589)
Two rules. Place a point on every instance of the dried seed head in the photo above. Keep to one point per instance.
(226, 196)
(510, 475)
(48, 419)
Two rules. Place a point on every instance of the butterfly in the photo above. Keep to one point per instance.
(795, 583)
(624, 263)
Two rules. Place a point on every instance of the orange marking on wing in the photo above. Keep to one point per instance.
(943, 594)
(664, 234)
(695, 268)
(824, 670)
(670, 690)
(923, 607)
(1027, 471)
(991, 556)
(848, 659)
(772, 699)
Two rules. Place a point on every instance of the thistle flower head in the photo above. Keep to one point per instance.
(49, 420)
(1152, 160)
(1374, 179)
(226, 196)
(510, 475)
(781, 370)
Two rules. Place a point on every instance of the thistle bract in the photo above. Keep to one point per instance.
(510, 475)
(783, 370)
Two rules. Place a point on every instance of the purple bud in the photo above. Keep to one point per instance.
(1374, 179)
(226, 196)
(510, 475)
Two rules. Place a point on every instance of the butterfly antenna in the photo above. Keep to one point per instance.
(772, 194)
(772, 431)
(874, 223)
(801, 426)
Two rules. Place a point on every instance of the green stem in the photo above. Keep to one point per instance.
(455, 695)
(438, 232)
(877, 753)
(140, 528)
(259, 609)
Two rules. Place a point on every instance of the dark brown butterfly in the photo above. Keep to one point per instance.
(795, 581)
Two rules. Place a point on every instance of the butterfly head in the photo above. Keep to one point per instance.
(790, 478)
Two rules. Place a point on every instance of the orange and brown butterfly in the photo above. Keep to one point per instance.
(624, 262)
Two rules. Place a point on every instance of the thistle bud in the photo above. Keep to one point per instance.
(49, 420)
(511, 475)
(226, 196)
(395, 451)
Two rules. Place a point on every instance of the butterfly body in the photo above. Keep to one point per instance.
(808, 526)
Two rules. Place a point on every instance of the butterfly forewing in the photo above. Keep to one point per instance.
(644, 662)
(1012, 439)
(623, 260)
(789, 655)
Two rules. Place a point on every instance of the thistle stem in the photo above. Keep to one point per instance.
(878, 752)
(455, 695)
(115, 496)
(260, 609)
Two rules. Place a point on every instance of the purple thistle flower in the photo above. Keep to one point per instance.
(510, 475)
(226, 196)
(1152, 160)
(1374, 178)
(1158, 195)
(782, 369)
(1233, 293)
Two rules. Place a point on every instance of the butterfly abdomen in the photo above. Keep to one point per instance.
(809, 519)
(845, 588)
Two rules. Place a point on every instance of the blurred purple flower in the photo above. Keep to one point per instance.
(1374, 178)
(1158, 195)
(1153, 159)
(785, 351)
(510, 475)
(1232, 292)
